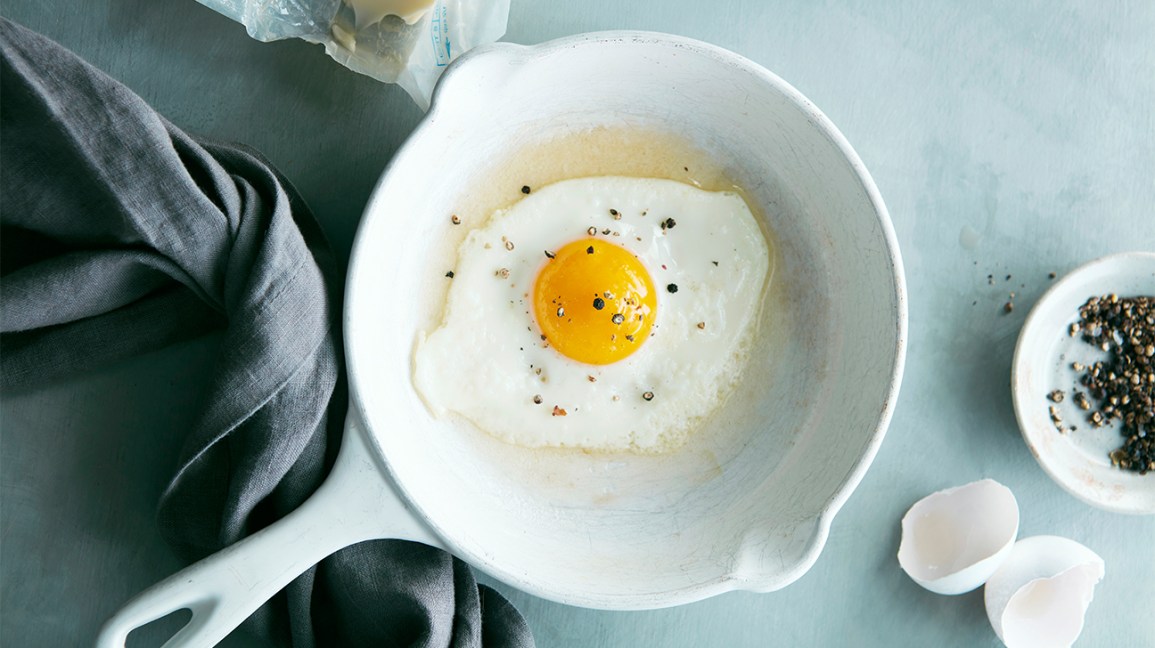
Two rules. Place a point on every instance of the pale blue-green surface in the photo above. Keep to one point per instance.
(1007, 138)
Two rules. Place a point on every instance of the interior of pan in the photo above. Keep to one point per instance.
(747, 501)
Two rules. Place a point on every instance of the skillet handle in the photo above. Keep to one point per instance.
(356, 502)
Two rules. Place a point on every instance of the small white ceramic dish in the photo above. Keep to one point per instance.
(747, 503)
(1077, 460)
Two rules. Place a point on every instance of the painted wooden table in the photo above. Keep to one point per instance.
(1010, 140)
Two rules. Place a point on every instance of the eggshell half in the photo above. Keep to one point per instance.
(953, 540)
(1038, 598)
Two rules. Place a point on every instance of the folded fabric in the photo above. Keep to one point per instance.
(121, 234)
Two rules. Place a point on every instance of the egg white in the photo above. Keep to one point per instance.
(487, 361)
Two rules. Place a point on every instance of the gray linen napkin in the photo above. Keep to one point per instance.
(121, 234)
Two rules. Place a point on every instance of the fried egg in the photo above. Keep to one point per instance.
(603, 313)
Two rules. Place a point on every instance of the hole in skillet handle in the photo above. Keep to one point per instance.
(160, 633)
(156, 633)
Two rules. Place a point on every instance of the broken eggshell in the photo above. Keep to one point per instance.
(954, 539)
(1038, 598)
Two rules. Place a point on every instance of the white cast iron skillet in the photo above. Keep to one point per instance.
(746, 504)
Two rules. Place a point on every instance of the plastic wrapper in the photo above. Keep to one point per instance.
(368, 36)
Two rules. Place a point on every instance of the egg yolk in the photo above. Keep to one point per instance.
(595, 302)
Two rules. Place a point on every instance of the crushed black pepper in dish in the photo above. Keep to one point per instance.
(1121, 387)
